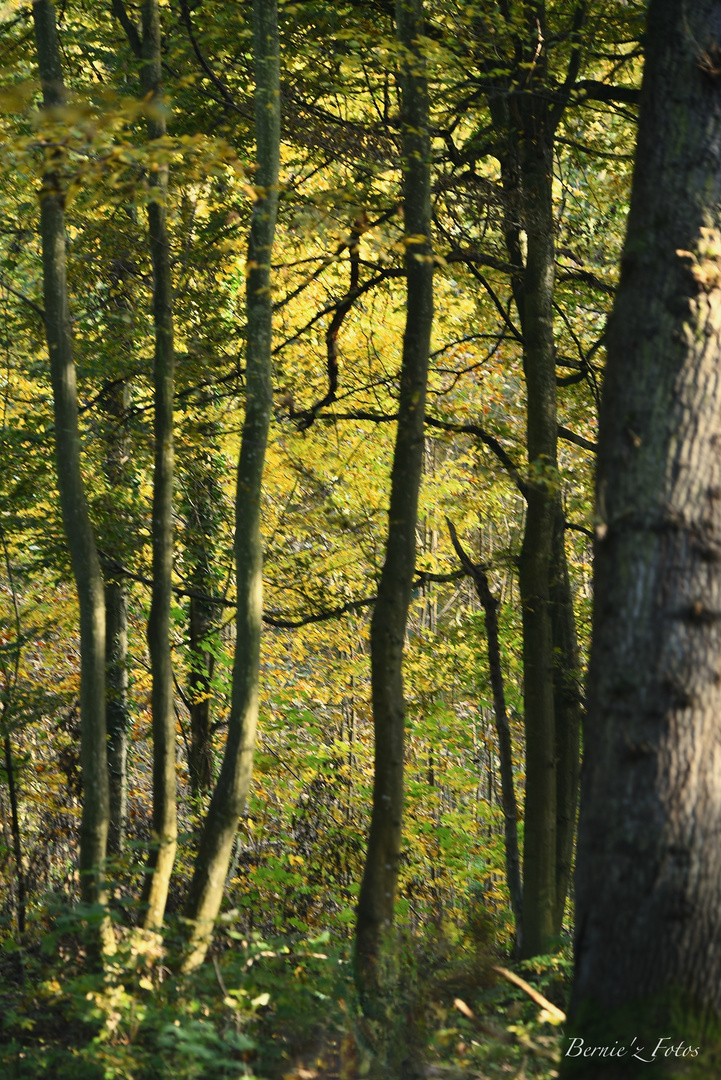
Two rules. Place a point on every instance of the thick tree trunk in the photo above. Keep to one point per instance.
(76, 522)
(165, 827)
(380, 875)
(649, 860)
(539, 850)
(228, 799)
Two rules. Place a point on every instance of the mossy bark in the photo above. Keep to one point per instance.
(388, 625)
(649, 860)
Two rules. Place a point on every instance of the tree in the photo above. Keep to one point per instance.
(146, 45)
(649, 869)
(76, 520)
(390, 614)
(226, 805)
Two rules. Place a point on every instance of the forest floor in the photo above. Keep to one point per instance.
(281, 1009)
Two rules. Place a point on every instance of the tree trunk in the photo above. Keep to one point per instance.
(116, 607)
(551, 699)
(200, 764)
(76, 521)
(539, 850)
(649, 862)
(16, 837)
(567, 713)
(165, 827)
(380, 875)
(503, 733)
(228, 799)
(202, 501)
(116, 640)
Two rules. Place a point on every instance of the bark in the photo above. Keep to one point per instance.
(503, 733)
(228, 799)
(388, 625)
(165, 827)
(649, 861)
(539, 849)
(76, 521)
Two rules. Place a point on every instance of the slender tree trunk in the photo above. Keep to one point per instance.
(648, 963)
(567, 711)
(202, 510)
(76, 521)
(165, 827)
(116, 639)
(380, 875)
(16, 837)
(116, 608)
(200, 765)
(11, 682)
(539, 851)
(503, 733)
(551, 699)
(228, 799)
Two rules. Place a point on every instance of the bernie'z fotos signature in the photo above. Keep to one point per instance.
(576, 1048)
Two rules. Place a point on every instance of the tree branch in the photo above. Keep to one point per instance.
(578, 440)
(131, 31)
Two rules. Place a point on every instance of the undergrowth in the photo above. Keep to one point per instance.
(274, 1009)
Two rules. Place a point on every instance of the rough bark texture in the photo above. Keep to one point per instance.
(649, 858)
(165, 828)
(380, 875)
(76, 522)
(228, 799)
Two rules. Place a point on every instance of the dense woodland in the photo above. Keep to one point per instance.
(305, 331)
